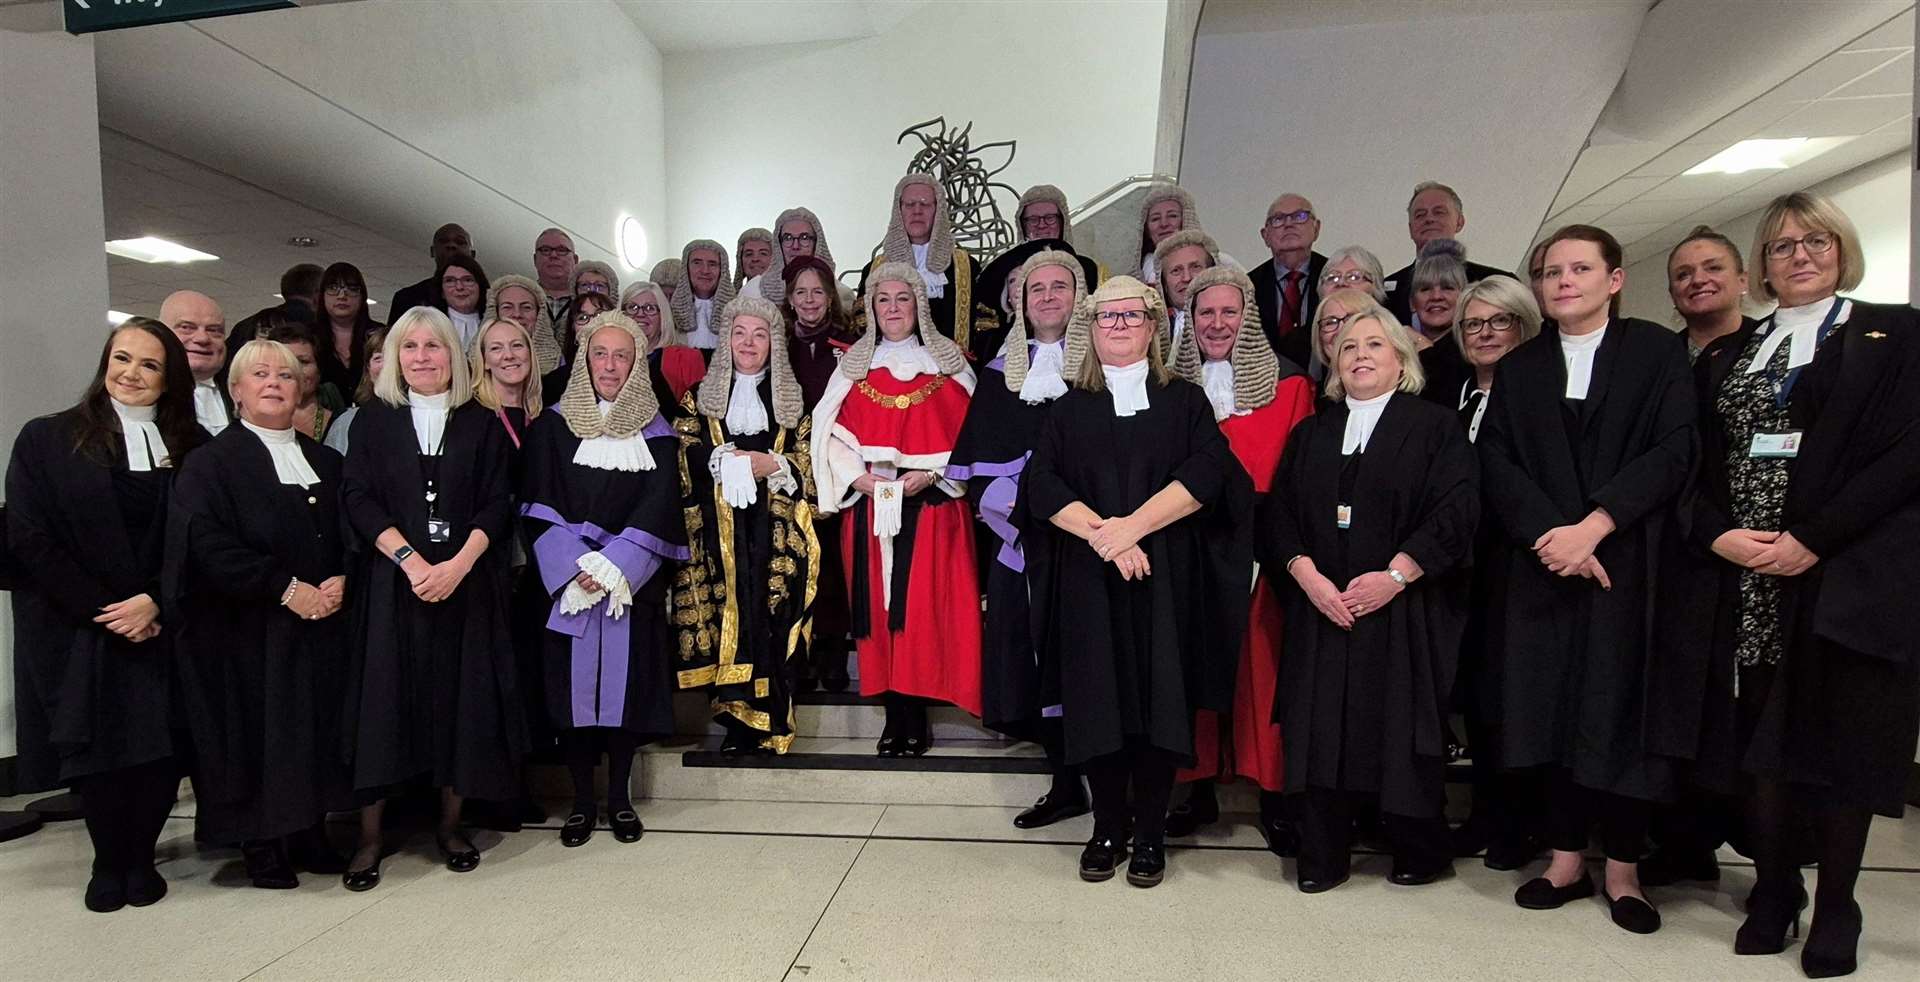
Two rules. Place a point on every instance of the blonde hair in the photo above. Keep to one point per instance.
(485, 390)
(1817, 212)
(1503, 292)
(256, 351)
(391, 386)
(1412, 378)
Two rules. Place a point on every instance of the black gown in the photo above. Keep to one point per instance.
(432, 689)
(261, 687)
(89, 700)
(1365, 710)
(1134, 660)
(1569, 662)
(528, 601)
(634, 519)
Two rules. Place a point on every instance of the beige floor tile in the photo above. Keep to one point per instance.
(780, 817)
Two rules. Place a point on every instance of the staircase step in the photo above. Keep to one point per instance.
(841, 715)
(955, 772)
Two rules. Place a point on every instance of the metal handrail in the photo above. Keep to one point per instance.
(1123, 184)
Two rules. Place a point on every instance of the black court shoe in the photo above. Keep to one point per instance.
(1633, 914)
(1539, 893)
(1101, 857)
(362, 880)
(578, 828)
(458, 860)
(1413, 875)
(1771, 913)
(1149, 864)
(1833, 943)
(1054, 806)
(626, 825)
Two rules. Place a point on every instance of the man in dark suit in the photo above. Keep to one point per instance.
(449, 240)
(1287, 286)
(1434, 212)
(299, 299)
(198, 322)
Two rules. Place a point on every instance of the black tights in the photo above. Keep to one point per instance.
(1776, 814)
(583, 746)
(1573, 811)
(125, 811)
(1066, 777)
(1148, 771)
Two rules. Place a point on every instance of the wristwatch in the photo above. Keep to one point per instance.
(1398, 577)
(400, 555)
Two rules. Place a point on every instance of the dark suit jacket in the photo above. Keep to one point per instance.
(1296, 341)
(1400, 292)
(425, 293)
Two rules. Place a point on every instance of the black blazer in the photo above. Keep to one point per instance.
(1297, 343)
(1399, 287)
(425, 293)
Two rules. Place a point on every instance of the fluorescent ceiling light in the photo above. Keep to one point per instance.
(370, 303)
(115, 318)
(1751, 155)
(152, 249)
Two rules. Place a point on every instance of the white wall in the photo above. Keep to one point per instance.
(1876, 197)
(757, 130)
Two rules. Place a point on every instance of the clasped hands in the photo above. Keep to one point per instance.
(311, 603)
(434, 582)
(1770, 553)
(1368, 593)
(135, 618)
(1117, 540)
(1567, 550)
(913, 482)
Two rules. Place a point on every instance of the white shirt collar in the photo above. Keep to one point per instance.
(289, 464)
(209, 409)
(702, 335)
(466, 325)
(1799, 326)
(1046, 363)
(429, 420)
(145, 449)
(746, 414)
(936, 282)
(1217, 379)
(1362, 416)
(1128, 386)
(1579, 351)
(905, 359)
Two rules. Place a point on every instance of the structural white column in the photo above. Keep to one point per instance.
(53, 268)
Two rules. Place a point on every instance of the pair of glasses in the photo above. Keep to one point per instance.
(1117, 320)
(636, 309)
(1499, 323)
(548, 252)
(1286, 218)
(1353, 277)
(804, 238)
(1817, 243)
(1044, 221)
(460, 281)
(1333, 322)
(345, 290)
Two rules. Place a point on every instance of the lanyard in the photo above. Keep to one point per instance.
(430, 468)
(511, 434)
(1783, 388)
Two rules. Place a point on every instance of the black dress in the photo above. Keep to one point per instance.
(1568, 662)
(432, 688)
(90, 701)
(1134, 660)
(262, 687)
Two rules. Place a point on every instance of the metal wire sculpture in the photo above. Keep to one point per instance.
(965, 173)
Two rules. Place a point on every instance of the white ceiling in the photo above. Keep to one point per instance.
(1857, 85)
(708, 25)
(149, 191)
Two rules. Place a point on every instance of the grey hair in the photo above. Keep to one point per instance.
(391, 388)
(1442, 262)
(1424, 186)
(1368, 262)
(1412, 378)
(1503, 292)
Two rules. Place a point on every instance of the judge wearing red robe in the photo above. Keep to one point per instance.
(1257, 397)
(882, 431)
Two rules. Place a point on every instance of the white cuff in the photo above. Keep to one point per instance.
(604, 572)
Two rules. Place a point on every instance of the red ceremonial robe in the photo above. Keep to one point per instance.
(1257, 439)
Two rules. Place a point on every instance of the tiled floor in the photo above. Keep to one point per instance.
(771, 891)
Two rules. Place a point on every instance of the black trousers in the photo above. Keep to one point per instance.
(1420, 845)
(1574, 811)
(1148, 773)
(125, 811)
(1506, 803)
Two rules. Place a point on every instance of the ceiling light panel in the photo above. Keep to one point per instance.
(153, 249)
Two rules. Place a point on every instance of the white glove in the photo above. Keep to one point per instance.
(888, 499)
(736, 480)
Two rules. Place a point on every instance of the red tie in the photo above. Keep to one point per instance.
(1289, 302)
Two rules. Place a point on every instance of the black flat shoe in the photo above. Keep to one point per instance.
(1410, 876)
(268, 866)
(1511, 855)
(1283, 839)
(1770, 915)
(106, 892)
(1188, 817)
(1833, 943)
(1539, 893)
(361, 880)
(626, 825)
(1149, 864)
(916, 745)
(1101, 857)
(888, 746)
(1633, 914)
(577, 829)
(458, 860)
(1669, 866)
(311, 851)
(145, 887)
(1309, 884)
(1052, 807)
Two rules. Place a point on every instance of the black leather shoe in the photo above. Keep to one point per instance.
(145, 887)
(1052, 807)
(888, 746)
(1308, 884)
(1669, 866)
(1633, 914)
(1283, 839)
(626, 825)
(1190, 816)
(106, 892)
(1771, 913)
(458, 860)
(268, 866)
(313, 852)
(362, 880)
(1539, 893)
(577, 829)
(1411, 876)
(1507, 856)
(1101, 857)
(916, 745)
(1149, 864)
(1833, 943)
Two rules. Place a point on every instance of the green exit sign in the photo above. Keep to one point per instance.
(88, 16)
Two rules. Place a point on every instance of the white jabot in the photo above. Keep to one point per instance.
(1362, 416)
(702, 335)
(1128, 386)
(429, 420)
(289, 464)
(1149, 269)
(1217, 379)
(145, 449)
(466, 325)
(1802, 326)
(1179, 328)
(1045, 363)
(1579, 352)
(936, 282)
(746, 414)
(904, 359)
(209, 409)
(614, 453)
(751, 288)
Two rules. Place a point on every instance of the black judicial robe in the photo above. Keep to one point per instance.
(1365, 710)
(1134, 660)
(425, 293)
(1296, 344)
(981, 332)
(990, 454)
(614, 672)
(261, 687)
(1569, 660)
(431, 688)
(1399, 287)
(87, 535)
(1445, 369)
(1843, 710)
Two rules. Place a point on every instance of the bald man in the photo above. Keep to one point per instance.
(202, 328)
(1285, 286)
(449, 240)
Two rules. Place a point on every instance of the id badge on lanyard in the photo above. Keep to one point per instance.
(438, 529)
(1342, 516)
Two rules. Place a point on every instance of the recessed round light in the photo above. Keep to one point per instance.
(302, 241)
(633, 242)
